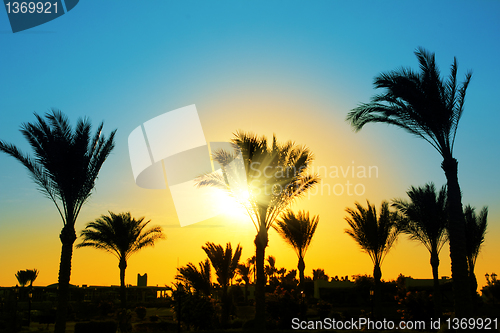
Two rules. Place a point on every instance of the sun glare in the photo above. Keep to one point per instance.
(230, 205)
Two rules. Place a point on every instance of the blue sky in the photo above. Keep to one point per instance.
(290, 67)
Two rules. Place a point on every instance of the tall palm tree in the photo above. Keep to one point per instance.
(65, 166)
(199, 280)
(374, 234)
(475, 226)
(425, 220)
(225, 265)
(297, 231)
(266, 181)
(429, 107)
(122, 236)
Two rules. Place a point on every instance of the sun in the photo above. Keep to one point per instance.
(229, 205)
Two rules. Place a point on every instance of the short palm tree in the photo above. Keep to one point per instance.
(121, 235)
(31, 274)
(22, 278)
(225, 265)
(475, 226)
(430, 108)
(424, 220)
(374, 234)
(251, 263)
(269, 178)
(270, 269)
(297, 231)
(245, 272)
(65, 166)
(319, 274)
(199, 280)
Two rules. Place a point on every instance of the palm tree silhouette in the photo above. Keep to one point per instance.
(245, 271)
(65, 166)
(297, 231)
(122, 236)
(374, 234)
(475, 226)
(31, 275)
(319, 274)
(424, 220)
(251, 263)
(270, 269)
(22, 278)
(272, 178)
(199, 280)
(225, 265)
(425, 105)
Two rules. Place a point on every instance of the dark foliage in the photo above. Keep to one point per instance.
(96, 327)
(140, 311)
(283, 305)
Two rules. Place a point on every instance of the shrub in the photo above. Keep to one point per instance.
(141, 312)
(96, 327)
(282, 306)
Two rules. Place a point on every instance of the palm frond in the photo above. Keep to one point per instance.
(297, 230)
(421, 103)
(199, 280)
(375, 234)
(223, 261)
(65, 164)
(476, 226)
(425, 216)
(119, 234)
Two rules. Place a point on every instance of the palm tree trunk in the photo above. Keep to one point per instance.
(456, 230)
(377, 292)
(473, 281)
(225, 307)
(261, 241)
(301, 267)
(123, 291)
(437, 289)
(67, 237)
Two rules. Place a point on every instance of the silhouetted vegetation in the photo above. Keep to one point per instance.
(199, 280)
(297, 230)
(225, 265)
(475, 226)
(425, 220)
(265, 177)
(264, 194)
(375, 234)
(65, 166)
(121, 235)
(430, 108)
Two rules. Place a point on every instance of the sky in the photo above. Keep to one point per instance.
(292, 68)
